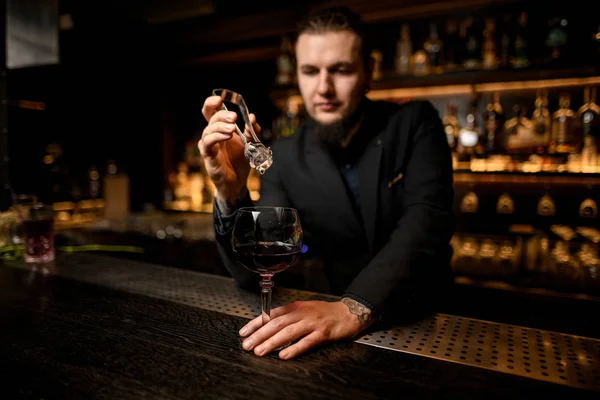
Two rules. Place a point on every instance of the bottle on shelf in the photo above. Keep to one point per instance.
(452, 45)
(489, 54)
(94, 182)
(377, 57)
(116, 192)
(519, 131)
(520, 58)
(286, 123)
(451, 126)
(472, 43)
(589, 114)
(433, 47)
(469, 137)
(493, 123)
(542, 122)
(285, 67)
(563, 124)
(557, 40)
(589, 155)
(505, 42)
(404, 52)
(420, 63)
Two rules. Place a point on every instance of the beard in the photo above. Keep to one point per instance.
(332, 134)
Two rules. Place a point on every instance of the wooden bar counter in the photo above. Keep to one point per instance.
(91, 326)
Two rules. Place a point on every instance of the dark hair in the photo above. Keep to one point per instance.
(335, 19)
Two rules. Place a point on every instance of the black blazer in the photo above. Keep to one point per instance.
(400, 238)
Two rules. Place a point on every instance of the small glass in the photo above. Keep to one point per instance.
(267, 240)
(38, 233)
(7, 221)
(21, 203)
(258, 155)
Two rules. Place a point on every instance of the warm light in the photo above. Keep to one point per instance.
(382, 94)
(63, 206)
(452, 90)
(32, 105)
(86, 204)
(537, 84)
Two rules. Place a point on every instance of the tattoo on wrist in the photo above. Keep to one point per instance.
(362, 313)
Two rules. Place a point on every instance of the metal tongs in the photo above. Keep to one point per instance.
(258, 155)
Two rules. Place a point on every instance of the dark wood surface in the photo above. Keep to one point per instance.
(65, 339)
(538, 310)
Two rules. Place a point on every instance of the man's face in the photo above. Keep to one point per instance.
(331, 75)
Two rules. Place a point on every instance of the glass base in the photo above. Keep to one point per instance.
(39, 258)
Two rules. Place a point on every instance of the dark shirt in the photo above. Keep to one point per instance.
(346, 159)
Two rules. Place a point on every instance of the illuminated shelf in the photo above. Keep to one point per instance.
(450, 90)
(523, 178)
(465, 82)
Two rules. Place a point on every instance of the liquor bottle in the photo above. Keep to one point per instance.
(541, 120)
(420, 63)
(469, 136)
(519, 132)
(451, 126)
(404, 52)
(94, 182)
(557, 40)
(285, 67)
(563, 123)
(490, 58)
(589, 155)
(433, 47)
(521, 43)
(473, 45)
(505, 42)
(589, 114)
(452, 46)
(286, 123)
(377, 57)
(493, 123)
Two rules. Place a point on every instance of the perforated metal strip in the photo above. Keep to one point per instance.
(538, 354)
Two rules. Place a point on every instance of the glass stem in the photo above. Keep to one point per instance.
(266, 284)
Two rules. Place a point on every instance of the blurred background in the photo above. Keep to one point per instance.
(102, 101)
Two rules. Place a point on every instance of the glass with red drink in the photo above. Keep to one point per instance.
(38, 233)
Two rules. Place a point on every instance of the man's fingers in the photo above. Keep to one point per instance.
(256, 323)
(207, 142)
(286, 335)
(211, 105)
(251, 327)
(308, 342)
(219, 127)
(223, 116)
(264, 333)
(213, 134)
